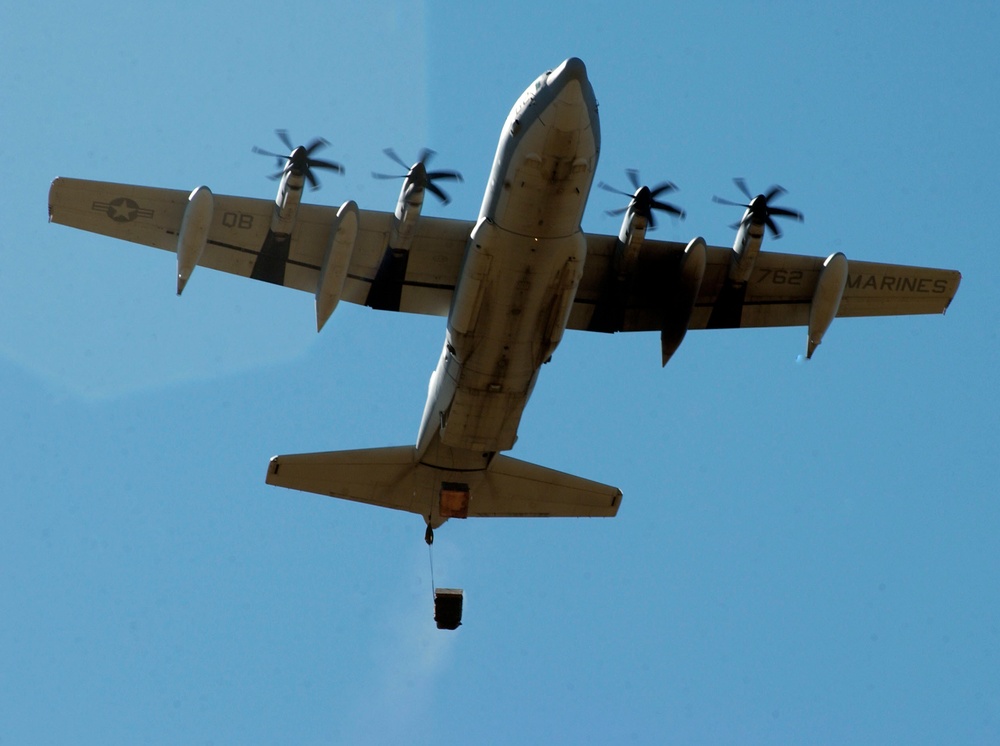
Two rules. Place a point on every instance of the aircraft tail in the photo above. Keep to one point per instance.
(393, 478)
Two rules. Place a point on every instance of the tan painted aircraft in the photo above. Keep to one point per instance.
(510, 283)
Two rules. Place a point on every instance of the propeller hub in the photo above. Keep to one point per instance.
(299, 159)
(418, 173)
(642, 202)
(758, 208)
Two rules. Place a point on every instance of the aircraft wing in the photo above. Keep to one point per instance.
(240, 227)
(779, 292)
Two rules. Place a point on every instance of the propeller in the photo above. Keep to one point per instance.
(420, 175)
(644, 198)
(760, 209)
(300, 158)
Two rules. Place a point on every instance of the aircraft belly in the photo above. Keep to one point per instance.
(522, 266)
(482, 421)
(520, 319)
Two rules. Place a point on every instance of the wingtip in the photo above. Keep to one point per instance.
(52, 189)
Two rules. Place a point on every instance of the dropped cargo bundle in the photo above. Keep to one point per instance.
(448, 607)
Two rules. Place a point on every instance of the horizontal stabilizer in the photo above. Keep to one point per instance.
(392, 478)
(377, 476)
(517, 488)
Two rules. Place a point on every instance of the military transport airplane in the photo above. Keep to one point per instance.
(509, 283)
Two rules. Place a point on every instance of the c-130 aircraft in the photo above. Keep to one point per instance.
(510, 284)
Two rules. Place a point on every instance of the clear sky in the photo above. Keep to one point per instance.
(805, 553)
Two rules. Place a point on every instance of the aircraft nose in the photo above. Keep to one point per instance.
(569, 82)
(572, 70)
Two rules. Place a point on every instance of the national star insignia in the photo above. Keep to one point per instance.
(122, 209)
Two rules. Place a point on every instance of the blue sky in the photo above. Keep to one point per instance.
(804, 553)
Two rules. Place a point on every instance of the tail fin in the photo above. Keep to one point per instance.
(393, 478)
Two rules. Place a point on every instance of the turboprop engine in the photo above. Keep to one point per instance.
(638, 218)
(750, 230)
(416, 181)
(297, 169)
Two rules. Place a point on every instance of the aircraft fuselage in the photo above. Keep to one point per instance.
(522, 265)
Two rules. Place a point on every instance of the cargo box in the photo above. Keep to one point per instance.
(448, 607)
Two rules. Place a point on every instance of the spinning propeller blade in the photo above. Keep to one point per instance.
(420, 175)
(300, 159)
(644, 199)
(759, 209)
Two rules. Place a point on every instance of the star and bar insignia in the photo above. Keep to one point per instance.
(122, 209)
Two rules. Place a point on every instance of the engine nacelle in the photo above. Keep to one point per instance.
(630, 239)
(826, 299)
(333, 273)
(407, 213)
(746, 247)
(286, 203)
(193, 236)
